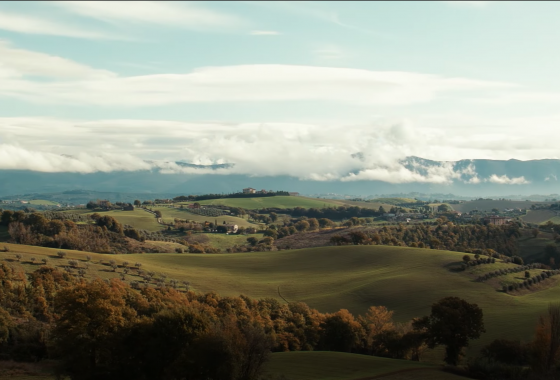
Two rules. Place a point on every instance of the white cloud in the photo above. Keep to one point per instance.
(21, 62)
(187, 15)
(315, 152)
(259, 82)
(29, 24)
(264, 33)
(505, 180)
(14, 157)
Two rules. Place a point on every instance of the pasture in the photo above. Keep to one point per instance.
(406, 280)
(488, 205)
(311, 365)
(274, 202)
(42, 202)
(540, 216)
(138, 219)
(169, 214)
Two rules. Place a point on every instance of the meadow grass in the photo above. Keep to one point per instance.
(43, 202)
(406, 280)
(275, 202)
(488, 205)
(169, 214)
(291, 202)
(324, 365)
(539, 216)
(223, 241)
(138, 219)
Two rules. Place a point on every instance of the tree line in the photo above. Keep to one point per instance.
(192, 198)
(462, 238)
(106, 329)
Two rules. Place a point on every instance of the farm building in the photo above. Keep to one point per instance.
(293, 193)
(249, 190)
(231, 228)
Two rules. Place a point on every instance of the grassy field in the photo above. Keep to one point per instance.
(394, 201)
(43, 202)
(531, 248)
(291, 202)
(488, 205)
(169, 214)
(312, 365)
(540, 216)
(139, 219)
(276, 202)
(223, 241)
(406, 280)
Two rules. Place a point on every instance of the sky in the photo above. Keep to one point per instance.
(316, 90)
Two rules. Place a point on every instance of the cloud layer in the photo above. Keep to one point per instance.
(72, 83)
(306, 151)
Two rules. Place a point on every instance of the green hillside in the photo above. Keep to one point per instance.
(277, 202)
(540, 216)
(314, 365)
(139, 219)
(489, 204)
(43, 202)
(407, 280)
(169, 214)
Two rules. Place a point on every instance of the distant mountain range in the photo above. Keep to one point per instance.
(467, 178)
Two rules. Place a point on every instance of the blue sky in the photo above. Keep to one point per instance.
(277, 87)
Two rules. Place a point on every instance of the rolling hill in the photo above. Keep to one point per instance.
(407, 280)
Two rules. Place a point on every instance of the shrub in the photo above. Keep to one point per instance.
(517, 260)
(61, 254)
(88, 258)
(32, 259)
(466, 258)
(18, 257)
(45, 261)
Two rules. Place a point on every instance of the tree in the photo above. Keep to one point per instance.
(252, 240)
(302, 225)
(452, 323)
(377, 320)
(313, 224)
(90, 316)
(358, 237)
(341, 332)
(546, 345)
(443, 208)
(535, 232)
(324, 223)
